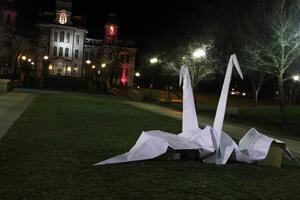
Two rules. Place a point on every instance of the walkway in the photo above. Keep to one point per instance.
(233, 129)
(12, 105)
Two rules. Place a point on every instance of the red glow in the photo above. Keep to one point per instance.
(111, 30)
(123, 78)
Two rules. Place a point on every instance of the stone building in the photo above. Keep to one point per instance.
(65, 50)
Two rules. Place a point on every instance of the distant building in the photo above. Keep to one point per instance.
(63, 48)
(64, 42)
(8, 25)
(9, 14)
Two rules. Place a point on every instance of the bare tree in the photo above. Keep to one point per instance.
(276, 49)
(201, 67)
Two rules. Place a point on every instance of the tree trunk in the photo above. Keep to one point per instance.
(256, 97)
(257, 88)
(282, 104)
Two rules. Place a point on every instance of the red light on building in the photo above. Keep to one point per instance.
(111, 30)
(124, 78)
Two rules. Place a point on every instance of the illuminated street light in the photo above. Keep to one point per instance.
(199, 53)
(32, 63)
(137, 74)
(46, 57)
(88, 62)
(24, 57)
(296, 77)
(50, 67)
(103, 65)
(93, 67)
(153, 60)
(29, 60)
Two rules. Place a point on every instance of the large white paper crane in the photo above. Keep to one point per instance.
(213, 144)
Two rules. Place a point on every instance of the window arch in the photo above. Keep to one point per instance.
(62, 36)
(68, 37)
(67, 52)
(54, 51)
(77, 39)
(55, 36)
(60, 53)
(76, 54)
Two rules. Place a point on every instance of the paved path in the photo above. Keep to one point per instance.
(12, 105)
(233, 129)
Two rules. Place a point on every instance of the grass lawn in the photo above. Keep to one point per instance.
(263, 117)
(49, 152)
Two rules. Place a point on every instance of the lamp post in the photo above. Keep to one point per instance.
(153, 61)
(296, 78)
(137, 75)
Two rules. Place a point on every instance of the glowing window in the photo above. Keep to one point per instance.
(63, 18)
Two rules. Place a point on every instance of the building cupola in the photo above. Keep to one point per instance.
(111, 29)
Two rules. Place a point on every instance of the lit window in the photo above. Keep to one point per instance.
(76, 54)
(62, 36)
(60, 53)
(67, 52)
(63, 18)
(54, 51)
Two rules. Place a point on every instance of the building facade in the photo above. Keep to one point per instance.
(65, 50)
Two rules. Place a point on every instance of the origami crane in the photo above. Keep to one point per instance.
(212, 143)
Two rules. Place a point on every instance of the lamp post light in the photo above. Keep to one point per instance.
(88, 62)
(137, 74)
(153, 61)
(24, 58)
(199, 53)
(46, 57)
(103, 65)
(296, 77)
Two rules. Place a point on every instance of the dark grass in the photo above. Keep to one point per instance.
(49, 152)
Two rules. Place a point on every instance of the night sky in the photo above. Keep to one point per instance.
(143, 21)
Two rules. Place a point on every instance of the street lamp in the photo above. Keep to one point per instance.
(88, 62)
(46, 57)
(24, 58)
(199, 53)
(296, 77)
(103, 65)
(94, 66)
(29, 60)
(137, 74)
(153, 60)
